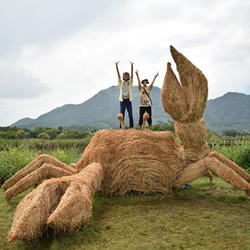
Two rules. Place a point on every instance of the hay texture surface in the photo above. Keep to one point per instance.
(143, 161)
(65, 204)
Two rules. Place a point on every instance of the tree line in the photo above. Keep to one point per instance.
(80, 133)
(43, 133)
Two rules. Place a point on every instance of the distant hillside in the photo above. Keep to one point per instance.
(232, 110)
(99, 111)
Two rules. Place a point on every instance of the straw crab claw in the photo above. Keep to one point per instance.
(186, 100)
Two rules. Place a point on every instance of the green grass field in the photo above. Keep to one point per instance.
(206, 216)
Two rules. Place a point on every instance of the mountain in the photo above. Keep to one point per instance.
(230, 111)
(99, 111)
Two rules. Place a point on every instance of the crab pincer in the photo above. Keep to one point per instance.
(186, 100)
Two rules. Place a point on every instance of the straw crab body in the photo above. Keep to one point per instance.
(118, 161)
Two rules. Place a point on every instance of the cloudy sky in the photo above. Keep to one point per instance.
(56, 52)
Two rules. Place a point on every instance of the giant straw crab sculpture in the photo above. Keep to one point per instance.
(118, 161)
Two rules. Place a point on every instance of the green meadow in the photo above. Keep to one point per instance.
(205, 216)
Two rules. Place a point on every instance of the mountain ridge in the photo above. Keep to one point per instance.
(230, 111)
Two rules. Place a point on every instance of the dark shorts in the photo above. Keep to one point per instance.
(142, 111)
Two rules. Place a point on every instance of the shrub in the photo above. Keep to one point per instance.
(13, 159)
(61, 136)
(20, 134)
(44, 136)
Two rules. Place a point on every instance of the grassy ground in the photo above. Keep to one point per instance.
(205, 216)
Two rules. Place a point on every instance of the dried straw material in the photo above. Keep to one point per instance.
(35, 178)
(240, 171)
(143, 161)
(185, 101)
(195, 144)
(209, 174)
(120, 118)
(32, 166)
(145, 118)
(63, 203)
(74, 209)
(32, 212)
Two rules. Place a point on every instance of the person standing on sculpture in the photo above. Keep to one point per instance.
(145, 100)
(126, 97)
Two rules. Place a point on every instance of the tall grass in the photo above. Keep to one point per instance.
(13, 158)
(38, 144)
(239, 154)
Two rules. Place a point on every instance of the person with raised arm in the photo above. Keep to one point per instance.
(145, 100)
(126, 97)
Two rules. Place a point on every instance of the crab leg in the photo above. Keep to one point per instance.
(36, 163)
(231, 164)
(36, 177)
(197, 169)
(209, 174)
(64, 204)
(74, 209)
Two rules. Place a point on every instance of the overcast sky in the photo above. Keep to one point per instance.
(56, 52)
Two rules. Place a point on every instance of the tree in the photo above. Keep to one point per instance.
(20, 134)
(61, 136)
(231, 132)
(44, 136)
(163, 126)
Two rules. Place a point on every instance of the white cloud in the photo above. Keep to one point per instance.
(75, 57)
(20, 84)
